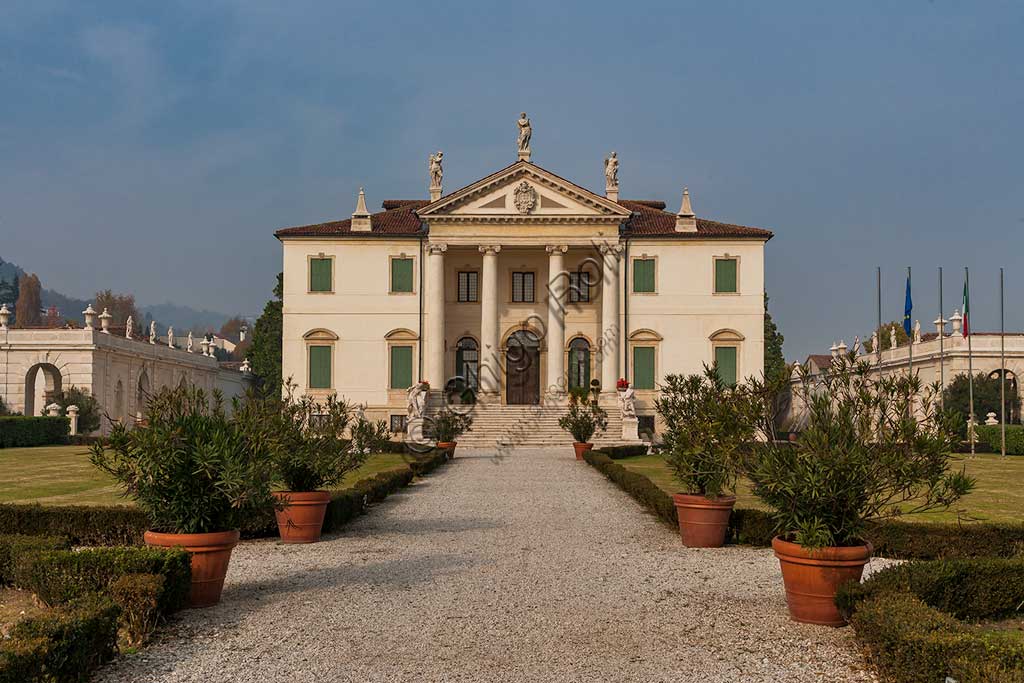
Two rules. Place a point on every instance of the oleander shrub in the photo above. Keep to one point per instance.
(80, 524)
(62, 645)
(990, 438)
(21, 431)
(15, 546)
(58, 577)
(584, 418)
(620, 452)
(138, 596)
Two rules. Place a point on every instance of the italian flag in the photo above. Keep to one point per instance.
(967, 309)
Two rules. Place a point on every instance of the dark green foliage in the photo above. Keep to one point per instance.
(873, 448)
(707, 423)
(775, 369)
(60, 576)
(371, 437)
(14, 546)
(265, 352)
(138, 596)
(88, 408)
(449, 424)
(884, 336)
(906, 540)
(20, 431)
(79, 524)
(620, 452)
(991, 438)
(61, 646)
(907, 616)
(191, 469)
(956, 398)
(584, 418)
(4, 410)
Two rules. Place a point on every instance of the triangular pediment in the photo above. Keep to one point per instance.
(523, 190)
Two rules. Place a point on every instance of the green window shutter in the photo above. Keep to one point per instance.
(725, 357)
(643, 367)
(643, 275)
(401, 275)
(725, 275)
(320, 274)
(319, 367)
(401, 367)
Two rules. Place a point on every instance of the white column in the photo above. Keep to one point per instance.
(490, 335)
(558, 285)
(611, 335)
(434, 338)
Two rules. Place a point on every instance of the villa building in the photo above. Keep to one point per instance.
(520, 285)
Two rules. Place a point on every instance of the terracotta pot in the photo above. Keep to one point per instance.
(448, 447)
(302, 517)
(210, 556)
(703, 521)
(581, 448)
(813, 576)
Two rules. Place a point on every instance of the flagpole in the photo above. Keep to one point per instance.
(1002, 369)
(942, 333)
(910, 341)
(970, 359)
(878, 343)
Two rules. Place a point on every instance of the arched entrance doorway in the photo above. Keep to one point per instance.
(1013, 414)
(141, 395)
(42, 385)
(522, 368)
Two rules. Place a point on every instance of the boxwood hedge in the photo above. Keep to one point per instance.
(23, 430)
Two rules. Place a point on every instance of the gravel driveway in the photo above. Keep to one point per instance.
(526, 567)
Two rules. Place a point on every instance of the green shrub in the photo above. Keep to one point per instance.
(79, 524)
(956, 398)
(60, 576)
(21, 431)
(449, 424)
(61, 646)
(990, 438)
(15, 546)
(620, 452)
(88, 408)
(910, 541)
(138, 596)
(584, 418)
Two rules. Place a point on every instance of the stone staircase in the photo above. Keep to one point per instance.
(529, 426)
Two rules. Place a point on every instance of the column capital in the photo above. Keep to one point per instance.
(489, 248)
(552, 248)
(614, 250)
(436, 248)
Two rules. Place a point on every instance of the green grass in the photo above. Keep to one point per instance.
(63, 475)
(998, 495)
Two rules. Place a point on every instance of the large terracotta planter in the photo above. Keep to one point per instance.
(210, 556)
(581, 448)
(448, 447)
(302, 517)
(703, 521)
(813, 576)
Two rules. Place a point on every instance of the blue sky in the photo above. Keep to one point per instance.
(154, 147)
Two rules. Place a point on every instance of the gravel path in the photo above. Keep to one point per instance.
(527, 567)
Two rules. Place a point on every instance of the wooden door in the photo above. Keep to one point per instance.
(522, 369)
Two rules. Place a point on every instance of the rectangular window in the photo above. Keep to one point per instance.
(398, 424)
(643, 367)
(320, 276)
(319, 367)
(401, 367)
(579, 287)
(643, 275)
(725, 358)
(401, 275)
(468, 286)
(725, 276)
(522, 287)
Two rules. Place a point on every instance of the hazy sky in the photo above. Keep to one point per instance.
(154, 147)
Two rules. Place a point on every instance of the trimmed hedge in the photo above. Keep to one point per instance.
(21, 430)
(138, 596)
(61, 646)
(15, 546)
(990, 438)
(908, 617)
(620, 452)
(58, 577)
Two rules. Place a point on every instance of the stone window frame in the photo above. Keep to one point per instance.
(728, 337)
(400, 337)
(645, 338)
(714, 270)
(632, 273)
(468, 269)
(309, 273)
(391, 284)
(320, 337)
(511, 285)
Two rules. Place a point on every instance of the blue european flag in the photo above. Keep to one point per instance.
(908, 308)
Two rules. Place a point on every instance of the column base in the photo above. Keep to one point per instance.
(630, 429)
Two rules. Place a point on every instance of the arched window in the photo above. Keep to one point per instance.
(579, 363)
(467, 362)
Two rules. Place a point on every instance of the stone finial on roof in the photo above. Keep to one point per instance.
(841, 348)
(957, 321)
(90, 317)
(361, 217)
(5, 316)
(834, 350)
(686, 220)
(940, 326)
(105, 319)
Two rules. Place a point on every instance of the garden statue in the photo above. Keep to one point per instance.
(128, 328)
(436, 171)
(170, 337)
(627, 402)
(917, 332)
(152, 332)
(188, 344)
(417, 400)
(525, 133)
(611, 171)
(856, 345)
(892, 337)
(874, 342)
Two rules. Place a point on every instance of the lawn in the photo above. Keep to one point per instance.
(998, 495)
(63, 475)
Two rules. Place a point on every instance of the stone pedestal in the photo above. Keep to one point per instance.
(73, 420)
(630, 429)
(414, 430)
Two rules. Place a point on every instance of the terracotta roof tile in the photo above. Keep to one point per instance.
(399, 220)
(650, 221)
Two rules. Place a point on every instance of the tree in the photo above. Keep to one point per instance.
(119, 305)
(9, 291)
(88, 408)
(956, 398)
(230, 330)
(242, 350)
(265, 353)
(883, 336)
(774, 362)
(27, 308)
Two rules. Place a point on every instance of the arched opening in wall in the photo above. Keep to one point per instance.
(119, 412)
(42, 385)
(463, 386)
(142, 393)
(1013, 412)
(579, 363)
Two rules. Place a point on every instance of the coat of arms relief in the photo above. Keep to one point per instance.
(525, 197)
